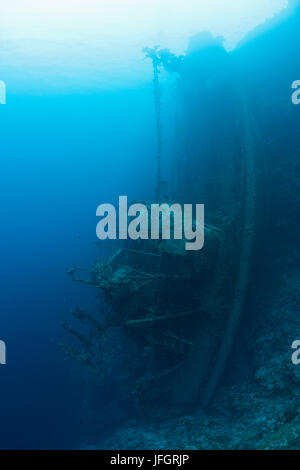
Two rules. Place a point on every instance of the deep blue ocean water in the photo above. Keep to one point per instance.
(61, 157)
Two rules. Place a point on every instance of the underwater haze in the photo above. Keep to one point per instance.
(85, 121)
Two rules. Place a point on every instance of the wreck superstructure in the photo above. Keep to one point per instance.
(182, 309)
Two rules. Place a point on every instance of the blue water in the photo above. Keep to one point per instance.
(61, 157)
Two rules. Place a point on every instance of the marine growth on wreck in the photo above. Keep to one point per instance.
(165, 299)
(185, 314)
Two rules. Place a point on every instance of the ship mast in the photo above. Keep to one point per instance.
(156, 62)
